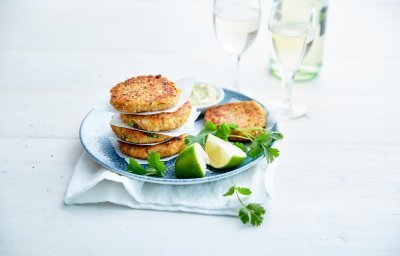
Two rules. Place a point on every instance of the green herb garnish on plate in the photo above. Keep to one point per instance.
(259, 144)
(156, 166)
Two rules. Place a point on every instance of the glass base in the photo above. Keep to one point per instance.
(283, 112)
(306, 71)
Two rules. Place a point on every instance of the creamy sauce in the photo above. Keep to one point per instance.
(203, 94)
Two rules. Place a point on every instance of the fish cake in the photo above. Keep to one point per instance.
(166, 149)
(246, 114)
(159, 122)
(138, 137)
(144, 94)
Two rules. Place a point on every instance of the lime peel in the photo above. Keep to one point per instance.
(191, 162)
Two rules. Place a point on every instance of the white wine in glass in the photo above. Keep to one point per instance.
(292, 25)
(236, 24)
(312, 63)
(291, 42)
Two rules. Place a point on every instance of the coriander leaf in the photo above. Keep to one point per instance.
(154, 160)
(274, 135)
(271, 154)
(244, 215)
(256, 208)
(153, 172)
(255, 149)
(223, 131)
(256, 213)
(266, 143)
(230, 191)
(156, 166)
(251, 213)
(262, 144)
(264, 139)
(201, 139)
(131, 123)
(155, 163)
(204, 133)
(232, 126)
(244, 191)
(256, 219)
(241, 146)
(135, 167)
(210, 126)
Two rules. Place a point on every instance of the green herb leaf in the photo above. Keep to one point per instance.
(156, 166)
(135, 167)
(271, 154)
(244, 191)
(201, 139)
(241, 146)
(259, 145)
(223, 131)
(155, 163)
(244, 215)
(256, 214)
(131, 123)
(210, 126)
(230, 191)
(256, 219)
(274, 135)
(256, 208)
(251, 213)
(255, 149)
(263, 144)
(152, 172)
(232, 126)
(264, 139)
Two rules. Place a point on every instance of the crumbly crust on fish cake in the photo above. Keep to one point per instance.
(159, 122)
(144, 94)
(138, 137)
(169, 148)
(245, 114)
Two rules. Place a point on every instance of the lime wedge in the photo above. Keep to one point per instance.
(191, 162)
(223, 154)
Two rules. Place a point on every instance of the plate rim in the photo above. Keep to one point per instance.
(165, 181)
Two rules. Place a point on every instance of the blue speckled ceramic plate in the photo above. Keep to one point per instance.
(101, 149)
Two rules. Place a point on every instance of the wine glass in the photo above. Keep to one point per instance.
(292, 25)
(236, 24)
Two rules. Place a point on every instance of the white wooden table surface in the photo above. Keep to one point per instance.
(338, 183)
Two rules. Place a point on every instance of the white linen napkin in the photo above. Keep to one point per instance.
(91, 183)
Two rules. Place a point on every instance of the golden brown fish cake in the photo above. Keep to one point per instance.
(246, 114)
(159, 122)
(144, 94)
(169, 148)
(138, 137)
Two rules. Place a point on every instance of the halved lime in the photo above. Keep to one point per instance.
(223, 154)
(191, 162)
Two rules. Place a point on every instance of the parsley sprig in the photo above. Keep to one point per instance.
(259, 144)
(156, 166)
(251, 213)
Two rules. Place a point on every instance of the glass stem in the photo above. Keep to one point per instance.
(235, 61)
(287, 80)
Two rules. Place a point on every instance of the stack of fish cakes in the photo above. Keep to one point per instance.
(138, 96)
